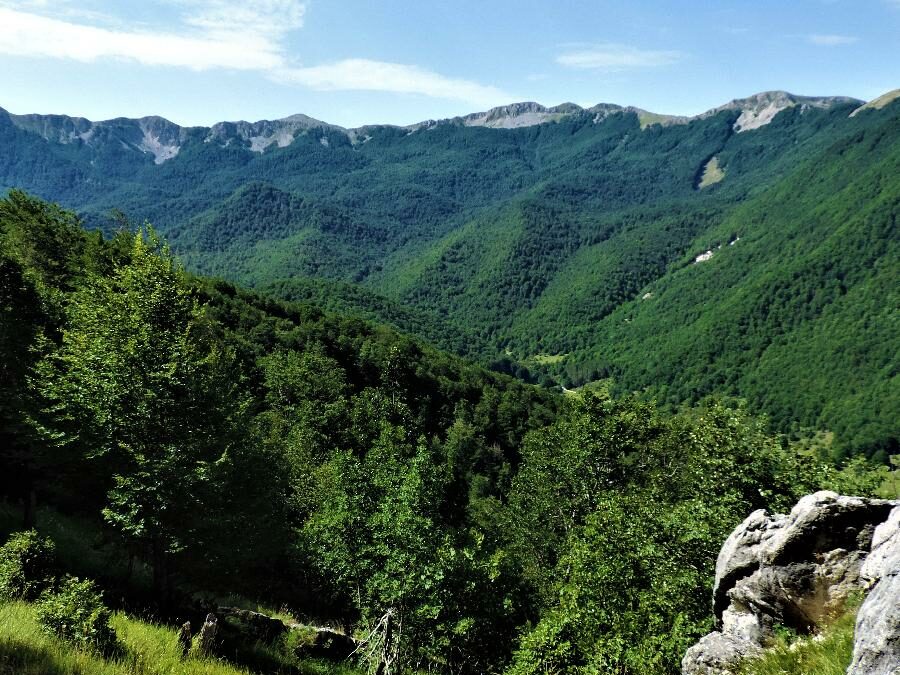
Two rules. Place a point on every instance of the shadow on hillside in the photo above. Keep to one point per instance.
(20, 658)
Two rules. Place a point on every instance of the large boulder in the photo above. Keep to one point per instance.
(876, 645)
(717, 652)
(314, 641)
(255, 625)
(740, 554)
(790, 570)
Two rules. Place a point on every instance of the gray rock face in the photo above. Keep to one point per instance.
(760, 109)
(876, 647)
(740, 554)
(257, 136)
(715, 652)
(793, 570)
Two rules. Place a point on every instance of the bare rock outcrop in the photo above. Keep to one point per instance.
(791, 570)
(876, 645)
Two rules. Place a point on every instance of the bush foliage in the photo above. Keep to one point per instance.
(76, 613)
(27, 566)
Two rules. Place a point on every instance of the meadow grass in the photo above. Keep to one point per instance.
(546, 359)
(145, 649)
(712, 173)
(827, 653)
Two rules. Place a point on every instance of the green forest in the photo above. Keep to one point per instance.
(589, 251)
(173, 443)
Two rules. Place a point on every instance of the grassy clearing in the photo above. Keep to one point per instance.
(890, 488)
(147, 649)
(648, 118)
(878, 103)
(545, 359)
(827, 653)
(712, 174)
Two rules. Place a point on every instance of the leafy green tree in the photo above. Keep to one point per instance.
(40, 249)
(141, 386)
(618, 514)
(21, 320)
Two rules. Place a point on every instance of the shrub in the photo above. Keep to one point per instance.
(27, 566)
(77, 614)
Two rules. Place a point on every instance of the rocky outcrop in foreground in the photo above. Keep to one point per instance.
(876, 644)
(797, 570)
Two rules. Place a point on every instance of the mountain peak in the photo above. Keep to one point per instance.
(760, 109)
(516, 115)
(300, 120)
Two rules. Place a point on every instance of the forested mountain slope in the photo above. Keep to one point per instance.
(527, 236)
(188, 442)
(796, 305)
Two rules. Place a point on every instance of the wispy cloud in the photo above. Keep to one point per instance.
(363, 74)
(244, 35)
(616, 57)
(28, 34)
(831, 40)
(270, 20)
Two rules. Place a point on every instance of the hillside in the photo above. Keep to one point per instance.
(790, 300)
(528, 236)
(177, 447)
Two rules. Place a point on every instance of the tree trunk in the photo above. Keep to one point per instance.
(29, 507)
(160, 574)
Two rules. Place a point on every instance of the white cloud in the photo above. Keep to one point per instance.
(363, 74)
(28, 34)
(270, 19)
(615, 57)
(831, 40)
(247, 35)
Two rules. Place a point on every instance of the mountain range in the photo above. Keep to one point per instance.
(162, 139)
(750, 251)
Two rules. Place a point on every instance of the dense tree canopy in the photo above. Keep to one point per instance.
(241, 444)
(561, 252)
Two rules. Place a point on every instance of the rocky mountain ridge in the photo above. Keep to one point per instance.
(162, 139)
(760, 109)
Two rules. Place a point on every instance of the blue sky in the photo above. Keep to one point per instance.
(352, 62)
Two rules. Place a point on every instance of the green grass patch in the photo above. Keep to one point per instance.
(545, 359)
(647, 118)
(146, 649)
(712, 174)
(826, 653)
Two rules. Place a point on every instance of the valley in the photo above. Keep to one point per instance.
(527, 231)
